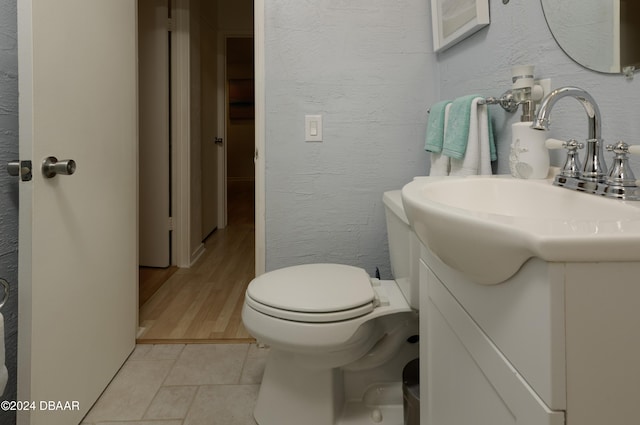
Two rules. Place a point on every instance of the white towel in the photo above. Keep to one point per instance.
(4, 374)
(440, 164)
(477, 159)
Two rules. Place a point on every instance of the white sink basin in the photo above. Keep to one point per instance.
(487, 227)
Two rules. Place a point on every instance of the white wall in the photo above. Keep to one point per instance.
(365, 65)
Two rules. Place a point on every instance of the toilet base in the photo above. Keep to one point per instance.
(323, 403)
(293, 393)
(358, 413)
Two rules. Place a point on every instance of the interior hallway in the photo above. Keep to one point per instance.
(204, 303)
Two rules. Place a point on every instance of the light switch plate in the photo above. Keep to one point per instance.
(313, 128)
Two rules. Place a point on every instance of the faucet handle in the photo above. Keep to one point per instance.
(570, 145)
(572, 166)
(622, 148)
(621, 173)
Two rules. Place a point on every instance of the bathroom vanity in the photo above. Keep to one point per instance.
(529, 303)
(555, 343)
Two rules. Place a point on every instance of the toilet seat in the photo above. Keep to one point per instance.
(297, 316)
(313, 293)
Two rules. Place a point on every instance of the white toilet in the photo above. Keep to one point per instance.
(339, 339)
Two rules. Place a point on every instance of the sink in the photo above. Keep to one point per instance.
(488, 226)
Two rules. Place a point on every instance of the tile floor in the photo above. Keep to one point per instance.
(177, 384)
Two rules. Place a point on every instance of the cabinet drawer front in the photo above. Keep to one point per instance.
(523, 317)
(469, 381)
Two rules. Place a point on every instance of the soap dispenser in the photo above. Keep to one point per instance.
(529, 157)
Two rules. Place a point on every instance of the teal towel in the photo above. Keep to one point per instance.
(435, 127)
(457, 137)
(455, 142)
(492, 143)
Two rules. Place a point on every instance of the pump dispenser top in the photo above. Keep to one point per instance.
(529, 157)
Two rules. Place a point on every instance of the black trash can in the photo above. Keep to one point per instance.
(411, 392)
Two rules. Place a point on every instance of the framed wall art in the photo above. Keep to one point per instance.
(455, 20)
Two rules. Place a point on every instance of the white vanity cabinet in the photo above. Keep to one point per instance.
(557, 343)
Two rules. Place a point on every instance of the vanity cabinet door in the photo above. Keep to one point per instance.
(468, 380)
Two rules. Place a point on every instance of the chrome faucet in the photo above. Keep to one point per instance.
(592, 178)
(594, 169)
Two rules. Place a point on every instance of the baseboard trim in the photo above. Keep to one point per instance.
(195, 255)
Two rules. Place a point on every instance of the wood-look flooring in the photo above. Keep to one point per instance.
(151, 279)
(203, 304)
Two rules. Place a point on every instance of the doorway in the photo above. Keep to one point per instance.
(203, 300)
(239, 117)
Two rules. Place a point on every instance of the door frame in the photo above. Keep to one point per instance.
(181, 135)
(260, 134)
(221, 98)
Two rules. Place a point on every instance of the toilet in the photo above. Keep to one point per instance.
(339, 338)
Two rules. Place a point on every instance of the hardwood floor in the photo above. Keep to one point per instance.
(203, 304)
(151, 279)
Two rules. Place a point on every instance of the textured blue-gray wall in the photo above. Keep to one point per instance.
(368, 67)
(519, 35)
(9, 189)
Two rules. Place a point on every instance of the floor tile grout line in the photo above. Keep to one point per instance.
(244, 364)
(193, 400)
(173, 364)
(198, 387)
(172, 358)
(175, 360)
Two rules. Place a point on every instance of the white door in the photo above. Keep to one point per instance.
(77, 237)
(154, 162)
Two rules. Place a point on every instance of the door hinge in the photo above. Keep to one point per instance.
(171, 25)
(170, 223)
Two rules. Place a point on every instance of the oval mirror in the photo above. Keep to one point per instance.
(602, 35)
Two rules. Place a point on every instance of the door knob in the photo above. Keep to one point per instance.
(52, 167)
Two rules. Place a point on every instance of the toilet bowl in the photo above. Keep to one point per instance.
(339, 338)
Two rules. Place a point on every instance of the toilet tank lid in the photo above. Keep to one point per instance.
(313, 288)
(393, 200)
